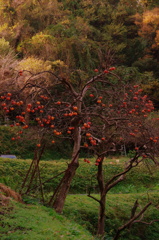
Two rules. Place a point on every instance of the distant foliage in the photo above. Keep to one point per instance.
(4, 47)
(34, 65)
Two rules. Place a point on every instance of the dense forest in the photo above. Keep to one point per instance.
(72, 38)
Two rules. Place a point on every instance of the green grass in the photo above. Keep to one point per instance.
(79, 219)
(80, 215)
(139, 179)
(84, 210)
(34, 222)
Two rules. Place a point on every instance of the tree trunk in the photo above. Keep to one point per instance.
(101, 218)
(102, 202)
(58, 199)
(64, 187)
(27, 114)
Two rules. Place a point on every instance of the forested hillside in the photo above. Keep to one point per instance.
(72, 38)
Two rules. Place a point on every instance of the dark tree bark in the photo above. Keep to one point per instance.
(101, 218)
(102, 202)
(105, 187)
(58, 199)
(64, 187)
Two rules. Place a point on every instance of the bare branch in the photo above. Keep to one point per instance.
(130, 222)
(49, 179)
(134, 208)
(58, 78)
(94, 198)
(147, 223)
(120, 176)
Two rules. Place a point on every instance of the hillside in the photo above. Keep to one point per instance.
(79, 218)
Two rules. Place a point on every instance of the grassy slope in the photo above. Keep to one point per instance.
(33, 222)
(23, 222)
(84, 211)
(12, 172)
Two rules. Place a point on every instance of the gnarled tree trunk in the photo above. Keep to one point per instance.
(62, 190)
(58, 199)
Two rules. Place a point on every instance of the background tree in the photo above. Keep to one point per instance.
(148, 30)
(149, 63)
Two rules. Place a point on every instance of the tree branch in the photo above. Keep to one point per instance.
(93, 198)
(100, 177)
(147, 223)
(120, 175)
(130, 222)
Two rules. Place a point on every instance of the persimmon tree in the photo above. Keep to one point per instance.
(123, 121)
(63, 111)
(96, 114)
